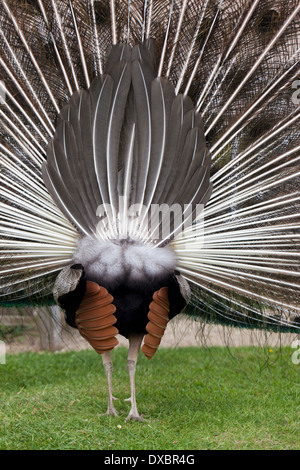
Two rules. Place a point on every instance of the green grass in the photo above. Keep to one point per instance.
(192, 398)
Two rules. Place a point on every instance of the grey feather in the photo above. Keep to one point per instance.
(62, 153)
(115, 121)
(70, 171)
(78, 164)
(80, 161)
(62, 198)
(197, 182)
(85, 123)
(101, 96)
(142, 101)
(181, 104)
(187, 123)
(162, 96)
(127, 135)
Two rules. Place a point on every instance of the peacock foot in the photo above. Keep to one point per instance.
(110, 412)
(134, 417)
(110, 409)
(133, 414)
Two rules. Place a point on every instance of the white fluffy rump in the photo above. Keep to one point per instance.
(114, 261)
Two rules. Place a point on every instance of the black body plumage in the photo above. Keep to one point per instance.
(132, 303)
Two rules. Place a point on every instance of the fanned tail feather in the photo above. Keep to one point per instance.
(208, 103)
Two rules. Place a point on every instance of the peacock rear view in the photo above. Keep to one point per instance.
(149, 160)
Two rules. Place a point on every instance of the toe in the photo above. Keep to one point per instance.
(134, 417)
(110, 412)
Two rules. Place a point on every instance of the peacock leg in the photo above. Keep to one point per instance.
(108, 367)
(135, 341)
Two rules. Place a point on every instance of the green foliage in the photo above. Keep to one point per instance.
(191, 398)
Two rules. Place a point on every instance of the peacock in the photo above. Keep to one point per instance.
(150, 165)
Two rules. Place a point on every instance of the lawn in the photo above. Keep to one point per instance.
(192, 398)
